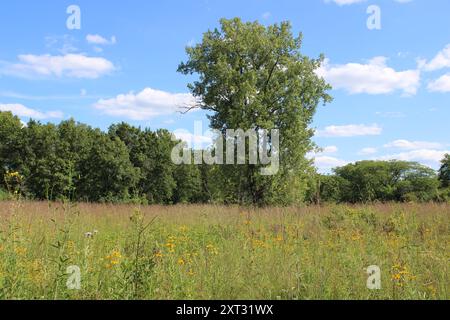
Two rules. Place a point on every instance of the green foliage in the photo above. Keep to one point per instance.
(325, 188)
(189, 184)
(369, 181)
(130, 165)
(108, 170)
(444, 195)
(46, 171)
(11, 143)
(444, 172)
(74, 161)
(3, 195)
(255, 77)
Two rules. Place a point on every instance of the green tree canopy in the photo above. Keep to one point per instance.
(444, 171)
(386, 181)
(11, 143)
(255, 77)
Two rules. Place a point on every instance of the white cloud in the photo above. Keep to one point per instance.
(375, 77)
(322, 151)
(194, 141)
(69, 65)
(17, 95)
(440, 61)
(352, 130)
(413, 145)
(22, 111)
(426, 156)
(326, 162)
(144, 105)
(330, 149)
(440, 85)
(99, 40)
(367, 151)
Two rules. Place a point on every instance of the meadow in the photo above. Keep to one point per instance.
(215, 252)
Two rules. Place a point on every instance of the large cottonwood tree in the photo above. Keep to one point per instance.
(255, 77)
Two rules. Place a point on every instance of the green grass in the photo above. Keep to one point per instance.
(209, 252)
(3, 195)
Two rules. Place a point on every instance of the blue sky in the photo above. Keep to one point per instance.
(391, 85)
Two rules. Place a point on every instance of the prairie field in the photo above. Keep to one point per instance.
(215, 252)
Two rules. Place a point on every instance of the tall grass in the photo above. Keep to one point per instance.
(209, 252)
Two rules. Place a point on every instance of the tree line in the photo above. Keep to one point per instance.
(129, 164)
(385, 181)
(77, 161)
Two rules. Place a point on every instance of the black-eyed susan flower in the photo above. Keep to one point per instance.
(113, 259)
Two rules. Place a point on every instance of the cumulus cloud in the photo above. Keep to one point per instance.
(440, 61)
(322, 151)
(144, 105)
(440, 85)
(330, 149)
(327, 162)
(374, 77)
(413, 145)
(425, 156)
(194, 141)
(426, 152)
(69, 65)
(322, 159)
(352, 130)
(99, 40)
(23, 111)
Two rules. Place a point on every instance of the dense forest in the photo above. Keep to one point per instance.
(128, 164)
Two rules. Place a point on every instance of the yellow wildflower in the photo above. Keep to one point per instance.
(356, 236)
(191, 273)
(170, 246)
(113, 259)
(259, 244)
(401, 275)
(212, 250)
(21, 251)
